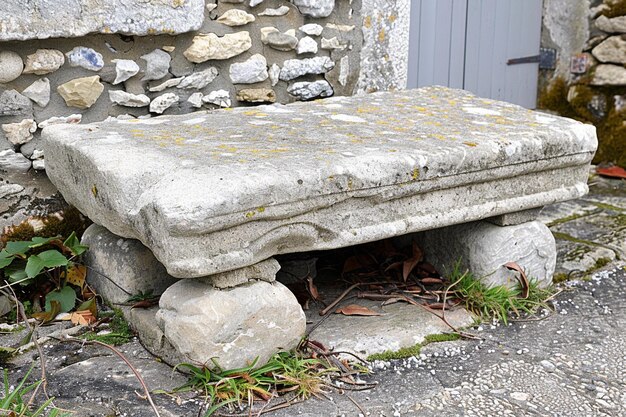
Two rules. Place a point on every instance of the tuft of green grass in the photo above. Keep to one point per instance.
(16, 401)
(120, 331)
(499, 301)
(285, 372)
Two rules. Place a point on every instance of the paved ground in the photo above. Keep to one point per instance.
(570, 363)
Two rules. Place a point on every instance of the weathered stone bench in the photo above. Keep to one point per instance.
(215, 195)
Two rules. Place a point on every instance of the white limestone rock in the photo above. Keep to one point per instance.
(218, 97)
(307, 45)
(124, 69)
(39, 92)
(340, 28)
(71, 119)
(198, 80)
(172, 82)
(163, 102)
(127, 262)
(81, 92)
(12, 161)
(20, 133)
(28, 20)
(484, 248)
(266, 31)
(309, 90)
(611, 50)
(210, 46)
(606, 74)
(254, 3)
(125, 99)
(236, 17)
(11, 66)
(344, 70)
(315, 8)
(311, 29)
(257, 95)
(39, 164)
(294, 68)
(234, 326)
(86, 58)
(611, 25)
(333, 44)
(251, 71)
(44, 61)
(274, 73)
(157, 65)
(279, 11)
(195, 100)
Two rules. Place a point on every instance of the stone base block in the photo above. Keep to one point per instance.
(518, 217)
(120, 268)
(232, 326)
(484, 248)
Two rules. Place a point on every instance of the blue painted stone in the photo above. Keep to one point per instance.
(84, 57)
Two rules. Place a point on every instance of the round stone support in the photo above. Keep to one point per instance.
(484, 248)
(233, 326)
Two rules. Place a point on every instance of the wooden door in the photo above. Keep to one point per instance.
(469, 44)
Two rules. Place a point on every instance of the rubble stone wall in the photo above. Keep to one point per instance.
(81, 61)
(589, 82)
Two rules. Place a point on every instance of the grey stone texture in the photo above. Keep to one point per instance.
(612, 50)
(11, 66)
(483, 248)
(73, 18)
(121, 268)
(410, 170)
(233, 326)
(383, 62)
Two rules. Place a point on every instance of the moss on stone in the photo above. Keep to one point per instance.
(560, 277)
(408, 352)
(612, 136)
(62, 224)
(615, 8)
(611, 129)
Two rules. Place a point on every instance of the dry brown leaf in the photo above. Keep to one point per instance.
(83, 317)
(522, 278)
(392, 301)
(356, 310)
(437, 306)
(312, 288)
(76, 275)
(412, 262)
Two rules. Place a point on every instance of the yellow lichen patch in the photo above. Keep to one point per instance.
(471, 144)
(381, 35)
(415, 174)
(178, 3)
(393, 17)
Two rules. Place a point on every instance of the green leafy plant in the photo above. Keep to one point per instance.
(285, 372)
(41, 269)
(15, 403)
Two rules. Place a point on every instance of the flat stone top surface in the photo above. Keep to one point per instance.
(209, 171)
(42, 19)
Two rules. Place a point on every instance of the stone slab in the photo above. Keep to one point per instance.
(216, 191)
(399, 326)
(43, 19)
